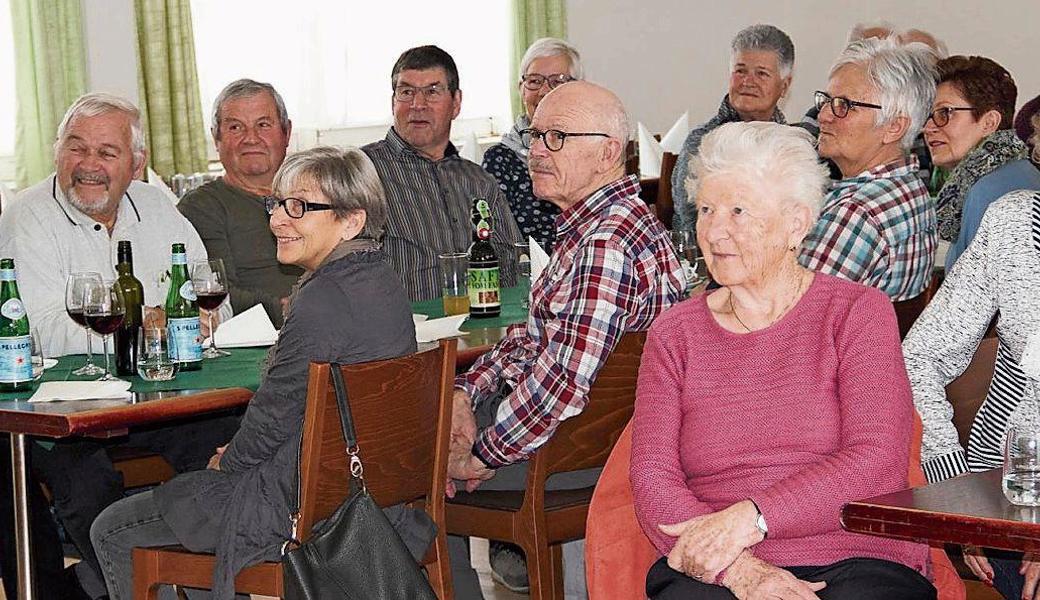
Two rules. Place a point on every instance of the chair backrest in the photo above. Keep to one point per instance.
(402, 415)
(969, 390)
(585, 441)
(665, 206)
(631, 158)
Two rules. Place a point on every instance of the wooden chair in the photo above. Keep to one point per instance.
(907, 311)
(402, 414)
(140, 467)
(631, 158)
(664, 207)
(540, 521)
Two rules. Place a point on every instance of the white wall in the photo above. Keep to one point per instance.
(110, 35)
(667, 56)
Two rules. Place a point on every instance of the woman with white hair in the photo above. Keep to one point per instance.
(765, 405)
(547, 64)
(761, 62)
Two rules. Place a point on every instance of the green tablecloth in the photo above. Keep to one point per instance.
(511, 311)
(241, 369)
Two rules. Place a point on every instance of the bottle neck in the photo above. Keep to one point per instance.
(125, 266)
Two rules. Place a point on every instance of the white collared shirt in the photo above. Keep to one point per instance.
(49, 239)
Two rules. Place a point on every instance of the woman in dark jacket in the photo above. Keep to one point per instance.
(348, 307)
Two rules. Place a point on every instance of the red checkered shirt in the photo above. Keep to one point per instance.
(613, 270)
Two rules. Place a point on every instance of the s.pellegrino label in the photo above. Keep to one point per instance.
(185, 339)
(16, 373)
(482, 274)
(182, 314)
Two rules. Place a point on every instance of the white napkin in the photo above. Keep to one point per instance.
(436, 329)
(471, 148)
(250, 328)
(539, 259)
(58, 391)
(416, 319)
(675, 138)
(649, 154)
(154, 179)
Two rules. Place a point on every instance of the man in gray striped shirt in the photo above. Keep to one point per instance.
(429, 187)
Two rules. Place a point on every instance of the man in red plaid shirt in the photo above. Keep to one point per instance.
(612, 270)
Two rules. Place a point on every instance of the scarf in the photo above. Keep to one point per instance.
(512, 139)
(996, 150)
(728, 114)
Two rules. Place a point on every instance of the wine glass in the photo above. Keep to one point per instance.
(74, 287)
(104, 308)
(211, 287)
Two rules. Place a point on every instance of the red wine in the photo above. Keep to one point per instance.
(77, 316)
(106, 323)
(210, 300)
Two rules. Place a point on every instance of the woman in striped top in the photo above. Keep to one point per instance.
(998, 274)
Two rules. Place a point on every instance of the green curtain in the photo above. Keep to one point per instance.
(50, 73)
(533, 19)
(171, 109)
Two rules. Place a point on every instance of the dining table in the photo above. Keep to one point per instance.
(480, 334)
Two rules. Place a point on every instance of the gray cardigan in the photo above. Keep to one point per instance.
(352, 309)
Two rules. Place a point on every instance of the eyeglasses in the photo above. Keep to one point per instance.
(840, 105)
(553, 138)
(294, 207)
(941, 116)
(406, 94)
(535, 81)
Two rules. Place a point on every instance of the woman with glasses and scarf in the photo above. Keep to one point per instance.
(970, 134)
(547, 64)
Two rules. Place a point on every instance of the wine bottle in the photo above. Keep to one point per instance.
(133, 296)
(16, 372)
(183, 329)
(482, 274)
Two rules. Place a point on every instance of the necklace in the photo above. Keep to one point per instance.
(790, 303)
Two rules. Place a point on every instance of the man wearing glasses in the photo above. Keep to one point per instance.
(877, 225)
(612, 270)
(429, 187)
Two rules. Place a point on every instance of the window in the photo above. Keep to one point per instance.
(331, 60)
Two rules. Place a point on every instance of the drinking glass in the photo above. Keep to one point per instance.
(454, 288)
(685, 244)
(523, 272)
(104, 309)
(211, 287)
(153, 356)
(1021, 482)
(74, 287)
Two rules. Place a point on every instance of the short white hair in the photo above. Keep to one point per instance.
(764, 38)
(548, 46)
(903, 75)
(782, 157)
(99, 103)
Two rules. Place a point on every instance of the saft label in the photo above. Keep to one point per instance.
(483, 288)
(15, 359)
(13, 309)
(185, 339)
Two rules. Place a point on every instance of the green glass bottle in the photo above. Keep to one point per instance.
(183, 329)
(16, 373)
(482, 274)
(133, 296)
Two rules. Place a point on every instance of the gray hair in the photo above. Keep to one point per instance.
(904, 77)
(782, 156)
(99, 103)
(346, 177)
(765, 38)
(546, 47)
(245, 88)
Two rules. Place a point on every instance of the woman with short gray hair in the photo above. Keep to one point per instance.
(547, 64)
(761, 63)
(348, 307)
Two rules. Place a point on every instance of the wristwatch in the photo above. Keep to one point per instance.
(760, 522)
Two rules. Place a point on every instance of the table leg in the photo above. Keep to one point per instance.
(20, 471)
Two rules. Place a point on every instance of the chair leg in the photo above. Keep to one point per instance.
(556, 570)
(544, 585)
(146, 574)
(439, 571)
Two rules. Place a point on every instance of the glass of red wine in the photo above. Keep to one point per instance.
(74, 287)
(211, 287)
(104, 309)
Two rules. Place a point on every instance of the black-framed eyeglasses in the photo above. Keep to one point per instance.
(406, 94)
(535, 81)
(840, 105)
(553, 138)
(941, 116)
(294, 207)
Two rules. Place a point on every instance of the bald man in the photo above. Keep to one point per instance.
(612, 271)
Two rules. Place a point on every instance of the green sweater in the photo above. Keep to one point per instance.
(233, 226)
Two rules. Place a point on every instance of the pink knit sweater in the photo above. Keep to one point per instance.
(801, 417)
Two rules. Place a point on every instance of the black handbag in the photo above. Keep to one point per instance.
(355, 553)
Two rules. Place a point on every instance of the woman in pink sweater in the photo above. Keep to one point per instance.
(766, 405)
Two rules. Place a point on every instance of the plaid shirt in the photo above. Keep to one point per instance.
(613, 270)
(877, 228)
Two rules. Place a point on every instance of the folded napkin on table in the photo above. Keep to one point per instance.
(539, 259)
(649, 154)
(675, 138)
(471, 148)
(250, 328)
(58, 391)
(436, 329)
(157, 181)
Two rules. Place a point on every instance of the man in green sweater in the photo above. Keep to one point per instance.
(251, 130)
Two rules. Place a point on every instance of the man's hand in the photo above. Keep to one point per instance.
(154, 317)
(979, 564)
(463, 423)
(214, 461)
(463, 466)
(710, 543)
(752, 579)
(1031, 570)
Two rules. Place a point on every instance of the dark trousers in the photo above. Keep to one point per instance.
(849, 579)
(45, 547)
(83, 481)
(1006, 578)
